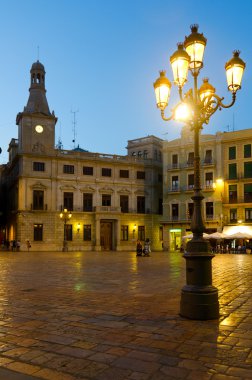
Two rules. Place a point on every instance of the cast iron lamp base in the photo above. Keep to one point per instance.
(199, 299)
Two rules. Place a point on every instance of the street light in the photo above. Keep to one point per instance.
(65, 216)
(199, 298)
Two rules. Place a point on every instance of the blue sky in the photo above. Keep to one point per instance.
(102, 57)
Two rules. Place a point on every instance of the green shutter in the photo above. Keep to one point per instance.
(247, 150)
(248, 188)
(232, 152)
(248, 169)
(232, 171)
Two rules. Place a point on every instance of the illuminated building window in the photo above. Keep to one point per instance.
(38, 232)
(141, 233)
(124, 233)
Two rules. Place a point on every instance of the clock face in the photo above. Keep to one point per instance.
(39, 128)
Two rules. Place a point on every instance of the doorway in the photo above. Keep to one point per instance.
(175, 239)
(106, 236)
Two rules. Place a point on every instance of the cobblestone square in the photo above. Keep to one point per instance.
(112, 315)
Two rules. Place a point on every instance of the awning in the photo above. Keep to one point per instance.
(231, 230)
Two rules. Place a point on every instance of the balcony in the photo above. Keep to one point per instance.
(208, 162)
(173, 167)
(39, 207)
(107, 209)
(174, 189)
(237, 200)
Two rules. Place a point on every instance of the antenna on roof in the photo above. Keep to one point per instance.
(74, 122)
(233, 122)
(59, 144)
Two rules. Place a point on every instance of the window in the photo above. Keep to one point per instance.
(175, 211)
(141, 233)
(140, 175)
(248, 169)
(208, 157)
(145, 154)
(190, 160)
(247, 150)
(38, 166)
(232, 189)
(38, 232)
(68, 169)
(124, 174)
(233, 215)
(106, 172)
(160, 178)
(248, 214)
(209, 210)
(232, 171)
(68, 232)
(87, 232)
(175, 183)
(124, 233)
(248, 192)
(209, 180)
(232, 153)
(68, 201)
(124, 203)
(38, 200)
(87, 202)
(160, 206)
(141, 205)
(139, 154)
(106, 200)
(190, 210)
(161, 234)
(174, 161)
(190, 181)
(88, 170)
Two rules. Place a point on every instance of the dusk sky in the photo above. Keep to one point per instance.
(101, 58)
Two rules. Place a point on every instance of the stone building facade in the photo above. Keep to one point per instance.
(226, 182)
(114, 200)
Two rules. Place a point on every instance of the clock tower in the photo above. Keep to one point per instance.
(36, 124)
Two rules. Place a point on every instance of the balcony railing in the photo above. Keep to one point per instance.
(237, 200)
(208, 161)
(107, 209)
(39, 207)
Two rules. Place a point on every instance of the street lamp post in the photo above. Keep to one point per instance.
(65, 216)
(199, 298)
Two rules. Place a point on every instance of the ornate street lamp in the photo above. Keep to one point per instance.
(65, 216)
(199, 298)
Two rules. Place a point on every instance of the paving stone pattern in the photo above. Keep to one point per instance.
(115, 316)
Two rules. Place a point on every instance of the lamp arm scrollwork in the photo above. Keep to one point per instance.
(166, 118)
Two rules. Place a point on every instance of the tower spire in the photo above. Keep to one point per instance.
(37, 102)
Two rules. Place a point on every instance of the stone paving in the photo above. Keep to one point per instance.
(112, 315)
